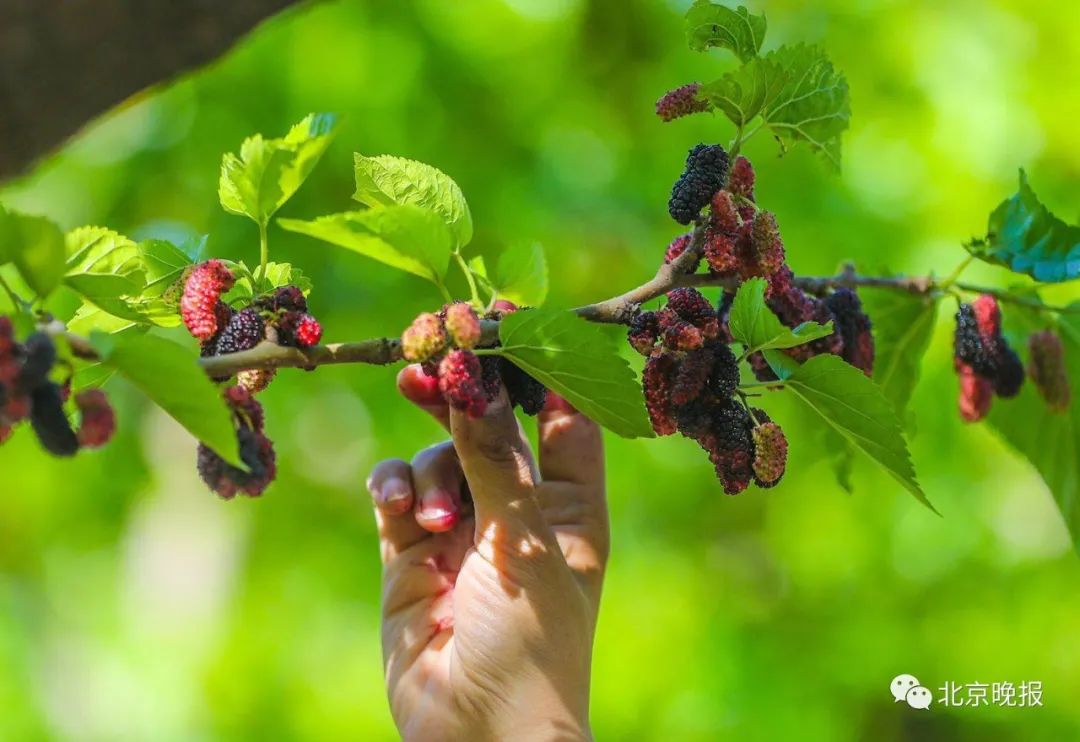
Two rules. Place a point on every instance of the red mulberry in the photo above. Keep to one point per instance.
(680, 102)
(676, 248)
(98, 418)
(721, 253)
(463, 325)
(1047, 370)
(644, 332)
(299, 330)
(424, 338)
(987, 317)
(741, 180)
(768, 248)
(204, 287)
(284, 298)
(461, 382)
(677, 333)
(976, 393)
(691, 375)
(706, 168)
(770, 454)
(725, 216)
(656, 383)
(980, 345)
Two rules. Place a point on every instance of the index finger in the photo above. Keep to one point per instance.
(423, 391)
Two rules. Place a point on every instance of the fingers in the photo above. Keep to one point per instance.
(500, 470)
(423, 391)
(391, 488)
(571, 446)
(437, 482)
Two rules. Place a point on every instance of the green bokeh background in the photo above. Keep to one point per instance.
(134, 605)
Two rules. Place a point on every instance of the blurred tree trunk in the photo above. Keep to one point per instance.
(63, 62)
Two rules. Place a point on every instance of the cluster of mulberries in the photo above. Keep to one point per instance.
(689, 384)
(1047, 370)
(442, 343)
(983, 360)
(27, 392)
(681, 101)
(741, 241)
(256, 451)
(280, 317)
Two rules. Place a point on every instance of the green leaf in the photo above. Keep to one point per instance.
(857, 409)
(170, 375)
(385, 180)
(841, 457)
(36, 246)
(795, 91)
(709, 25)
(754, 325)
(164, 264)
(903, 326)
(580, 361)
(1049, 440)
(1024, 236)
(104, 267)
(406, 237)
(268, 172)
(521, 275)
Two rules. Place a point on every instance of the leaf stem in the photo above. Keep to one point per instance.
(762, 385)
(468, 277)
(264, 252)
(955, 275)
(16, 303)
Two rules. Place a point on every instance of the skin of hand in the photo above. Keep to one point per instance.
(489, 610)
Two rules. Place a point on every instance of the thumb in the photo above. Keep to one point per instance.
(500, 470)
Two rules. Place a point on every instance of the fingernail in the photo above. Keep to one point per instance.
(438, 510)
(394, 492)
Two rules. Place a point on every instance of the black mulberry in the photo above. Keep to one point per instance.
(706, 168)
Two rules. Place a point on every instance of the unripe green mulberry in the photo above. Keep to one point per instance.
(424, 338)
(770, 454)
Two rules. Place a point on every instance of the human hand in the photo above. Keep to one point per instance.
(489, 611)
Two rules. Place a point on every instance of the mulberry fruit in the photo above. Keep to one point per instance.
(770, 454)
(768, 248)
(987, 317)
(284, 298)
(1047, 370)
(298, 330)
(204, 287)
(257, 453)
(245, 330)
(680, 102)
(725, 216)
(677, 333)
(731, 447)
(461, 382)
(656, 382)
(644, 332)
(256, 380)
(39, 355)
(523, 390)
(50, 422)
(691, 375)
(1010, 373)
(741, 180)
(976, 393)
(721, 253)
(853, 327)
(706, 168)
(693, 307)
(676, 248)
(423, 339)
(98, 418)
(463, 325)
(968, 343)
(724, 376)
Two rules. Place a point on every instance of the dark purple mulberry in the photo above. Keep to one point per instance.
(644, 332)
(50, 422)
(1047, 369)
(854, 328)
(694, 308)
(677, 333)
(245, 330)
(523, 390)
(706, 168)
